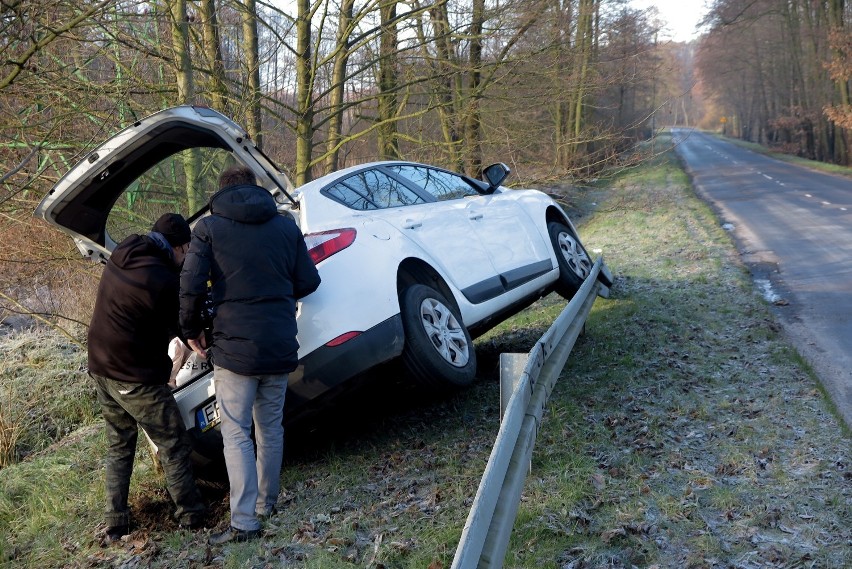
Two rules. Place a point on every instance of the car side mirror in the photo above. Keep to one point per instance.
(494, 175)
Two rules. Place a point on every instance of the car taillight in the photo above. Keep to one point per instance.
(324, 244)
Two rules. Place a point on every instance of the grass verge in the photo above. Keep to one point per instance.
(684, 432)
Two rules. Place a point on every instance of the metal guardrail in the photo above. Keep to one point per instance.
(524, 396)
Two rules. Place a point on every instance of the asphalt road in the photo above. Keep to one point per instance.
(793, 227)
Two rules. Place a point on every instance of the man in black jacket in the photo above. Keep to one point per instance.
(258, 265)
(135, 317)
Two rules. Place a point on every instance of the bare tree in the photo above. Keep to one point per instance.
(251, 56)
(765, 63)
(212, 50)
(337, 88)
(473, 124)
(388, 82)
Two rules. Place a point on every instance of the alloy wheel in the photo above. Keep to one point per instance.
(445, 332)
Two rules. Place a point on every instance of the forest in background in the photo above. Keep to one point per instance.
(557, 89)
(780, 72)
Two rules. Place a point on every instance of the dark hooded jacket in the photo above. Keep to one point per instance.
(136, 313)
(258, 266)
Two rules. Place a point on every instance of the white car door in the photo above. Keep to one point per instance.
(505, 233)
(441, 230)
(517, 249)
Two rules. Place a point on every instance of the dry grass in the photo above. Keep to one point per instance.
(43, 279)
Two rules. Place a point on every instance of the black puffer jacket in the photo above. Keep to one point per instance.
(136, 314)
(259, 266)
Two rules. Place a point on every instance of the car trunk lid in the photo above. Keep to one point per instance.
(169, 161)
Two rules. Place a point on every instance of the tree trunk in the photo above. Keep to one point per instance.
(584, 42)
(446, 82)
(180, 44)
(213, 54)
(561, 74)
(388, 83)
(473, 125)
(252, 60)
(338, 87)
(304, 94)
(841, 72)
(186, 92)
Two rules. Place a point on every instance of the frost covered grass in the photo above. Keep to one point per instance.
(684, 432)
(43, 393)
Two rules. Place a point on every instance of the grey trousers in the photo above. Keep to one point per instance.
(255, 479)
(125, 407)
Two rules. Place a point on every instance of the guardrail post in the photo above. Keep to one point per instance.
(511, 368)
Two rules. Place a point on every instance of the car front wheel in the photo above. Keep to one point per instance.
(438, 349)
(574, 263)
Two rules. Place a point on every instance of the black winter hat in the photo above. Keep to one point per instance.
(174, 228)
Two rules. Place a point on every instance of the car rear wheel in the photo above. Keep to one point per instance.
(438, 349)
(574, 263)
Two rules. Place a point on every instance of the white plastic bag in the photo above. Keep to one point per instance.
(194, 366)
(178, 352)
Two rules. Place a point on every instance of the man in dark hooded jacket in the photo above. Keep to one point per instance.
(135, 317)
(258, 265)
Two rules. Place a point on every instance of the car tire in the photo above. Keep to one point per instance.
(438, 349)
(574, 262)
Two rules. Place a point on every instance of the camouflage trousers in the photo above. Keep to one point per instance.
(125, 407)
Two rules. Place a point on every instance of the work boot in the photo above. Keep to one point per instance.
(193, 524)
(233, 534)
(114, 534)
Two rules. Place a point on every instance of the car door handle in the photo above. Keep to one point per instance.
(475, 216)
(411, 224)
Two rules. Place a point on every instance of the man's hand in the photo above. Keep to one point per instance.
(198, 345)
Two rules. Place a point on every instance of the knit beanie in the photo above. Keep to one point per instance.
(174, 228)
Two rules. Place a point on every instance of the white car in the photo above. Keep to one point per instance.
(415, 260)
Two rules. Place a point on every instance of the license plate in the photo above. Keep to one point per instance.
(207, 416)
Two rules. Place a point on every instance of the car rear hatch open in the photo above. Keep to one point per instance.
(167, 162)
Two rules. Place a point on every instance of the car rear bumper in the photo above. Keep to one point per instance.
(329, 366)
(318, 373)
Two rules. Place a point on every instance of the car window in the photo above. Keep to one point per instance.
(350, 197)
(372, 189)
(442, 185)
(181, 183)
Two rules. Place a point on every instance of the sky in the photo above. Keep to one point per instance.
(680, 16)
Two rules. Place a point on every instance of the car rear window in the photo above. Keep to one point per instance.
(181, 183)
